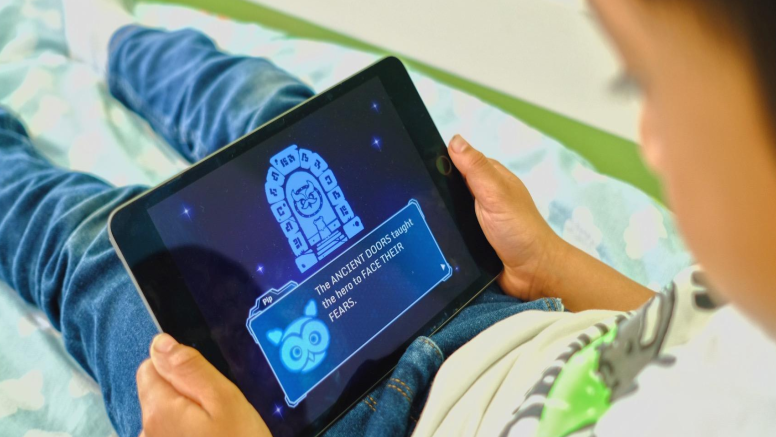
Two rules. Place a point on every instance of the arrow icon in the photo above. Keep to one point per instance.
(442, 265)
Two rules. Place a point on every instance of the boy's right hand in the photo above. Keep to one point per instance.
(537, 262)
(510, 220)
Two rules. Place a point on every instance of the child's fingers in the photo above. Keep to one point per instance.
(165, 410)
(152, 389)
(185, 369)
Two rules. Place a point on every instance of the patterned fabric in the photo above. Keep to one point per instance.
(75, 123)
(602, 364)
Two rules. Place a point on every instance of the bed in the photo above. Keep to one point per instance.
(75, 122)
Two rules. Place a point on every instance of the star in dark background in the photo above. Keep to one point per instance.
(377, 144)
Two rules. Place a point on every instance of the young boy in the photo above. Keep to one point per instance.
(683, 364)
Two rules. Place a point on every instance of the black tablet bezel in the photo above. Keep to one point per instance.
(163, 289)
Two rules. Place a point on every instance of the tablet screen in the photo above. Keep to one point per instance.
(316, 252)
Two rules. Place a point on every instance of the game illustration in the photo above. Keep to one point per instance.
(309, 206)
(315, 253)
(304, 342)
(308, 330)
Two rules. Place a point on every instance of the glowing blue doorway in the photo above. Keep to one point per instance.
(309, 205)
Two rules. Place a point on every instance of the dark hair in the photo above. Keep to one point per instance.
(754, 23)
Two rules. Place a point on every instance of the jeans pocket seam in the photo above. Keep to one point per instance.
(433, 346)
(401, 392)
(407, 387)
(370, 405)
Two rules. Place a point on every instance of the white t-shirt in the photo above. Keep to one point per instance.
(680, 365)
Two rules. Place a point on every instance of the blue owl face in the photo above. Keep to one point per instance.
(304, 342)
(307, 199)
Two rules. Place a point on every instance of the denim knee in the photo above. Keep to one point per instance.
(10, 123)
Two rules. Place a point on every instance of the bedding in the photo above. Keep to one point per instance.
(75, 123)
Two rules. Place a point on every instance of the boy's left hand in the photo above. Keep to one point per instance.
(182, 394)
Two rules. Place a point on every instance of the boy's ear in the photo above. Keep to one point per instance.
(310, 309)
(274, 336)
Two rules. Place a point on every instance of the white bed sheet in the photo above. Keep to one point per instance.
(75, 122)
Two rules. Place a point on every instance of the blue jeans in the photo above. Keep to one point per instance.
(54, 246)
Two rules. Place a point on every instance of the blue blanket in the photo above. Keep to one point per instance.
(75, 122)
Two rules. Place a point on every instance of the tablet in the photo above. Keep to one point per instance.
(303, 258)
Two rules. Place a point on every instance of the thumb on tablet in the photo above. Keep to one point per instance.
(182, 395)
(485, 180)
(190, 373)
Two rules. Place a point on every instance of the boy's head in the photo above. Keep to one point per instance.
(707, 73)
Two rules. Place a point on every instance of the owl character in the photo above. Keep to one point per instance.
(304, 342)
(307, 199)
